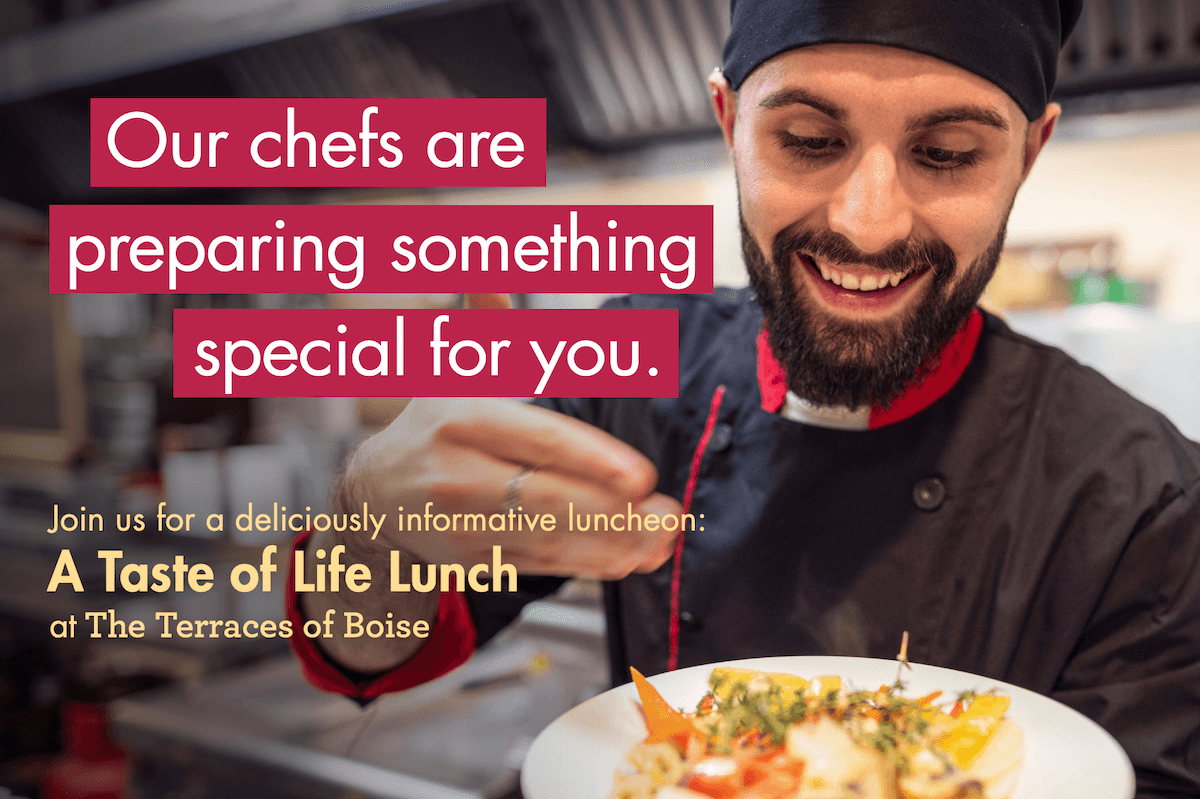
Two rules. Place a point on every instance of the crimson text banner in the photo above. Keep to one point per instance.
(171, 141)
(436, 353)
(324, 249)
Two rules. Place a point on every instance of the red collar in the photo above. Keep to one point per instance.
(949, 366)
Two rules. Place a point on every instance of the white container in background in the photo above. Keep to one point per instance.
(1153, 357)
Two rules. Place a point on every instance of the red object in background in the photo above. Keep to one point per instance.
(93, 767)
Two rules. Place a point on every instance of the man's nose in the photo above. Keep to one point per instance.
(871, 208)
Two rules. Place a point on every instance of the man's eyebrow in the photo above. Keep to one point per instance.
(962, 113)
(785, 97)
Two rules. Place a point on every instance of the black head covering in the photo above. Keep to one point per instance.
(1012, 43)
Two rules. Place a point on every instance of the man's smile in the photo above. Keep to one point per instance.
(859, 288)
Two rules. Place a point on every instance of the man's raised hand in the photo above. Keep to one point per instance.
(462, 455)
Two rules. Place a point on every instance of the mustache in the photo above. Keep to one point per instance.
(901, 257)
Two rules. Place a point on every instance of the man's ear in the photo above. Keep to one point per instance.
(1040, 130)
(724, 102)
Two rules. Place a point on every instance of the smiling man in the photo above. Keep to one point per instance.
(866, 451)
(879, 181)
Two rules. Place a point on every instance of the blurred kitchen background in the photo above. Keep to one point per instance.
(1103, 260)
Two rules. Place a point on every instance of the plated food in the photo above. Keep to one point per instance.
(1066, 755)
(776, 735)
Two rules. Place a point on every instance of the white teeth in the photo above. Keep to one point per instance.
(856, 283)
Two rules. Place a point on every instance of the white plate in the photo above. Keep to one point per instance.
(1067, 755)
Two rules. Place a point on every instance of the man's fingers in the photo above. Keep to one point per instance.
(471, 482)
(467, 464)
(663, 544)
(593, 531)
(489, 301)
(660, 504)
(550, 441)
(600, 551)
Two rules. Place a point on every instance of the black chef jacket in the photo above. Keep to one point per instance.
(1036, 525)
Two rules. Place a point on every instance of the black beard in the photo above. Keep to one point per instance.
(831, 361)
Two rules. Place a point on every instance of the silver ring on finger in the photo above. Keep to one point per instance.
(512, 489)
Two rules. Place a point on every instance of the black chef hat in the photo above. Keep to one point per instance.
(1012, 43)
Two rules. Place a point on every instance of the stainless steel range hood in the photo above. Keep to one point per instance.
(146, 35)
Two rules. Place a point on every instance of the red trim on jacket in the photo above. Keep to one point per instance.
(951, 363)
(688, 492)
(772, 379)
(947, 368)
(451, 641)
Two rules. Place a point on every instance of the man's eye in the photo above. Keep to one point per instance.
(816, 142)
(941, 158)
(811, 146)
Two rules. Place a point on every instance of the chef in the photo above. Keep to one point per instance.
(865, 450)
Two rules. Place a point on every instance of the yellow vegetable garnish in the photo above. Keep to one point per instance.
(987, 705)
(823, 685)
(724, 678)
(973, 728)
(789, 682)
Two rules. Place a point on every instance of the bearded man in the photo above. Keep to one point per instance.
(871, 453)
